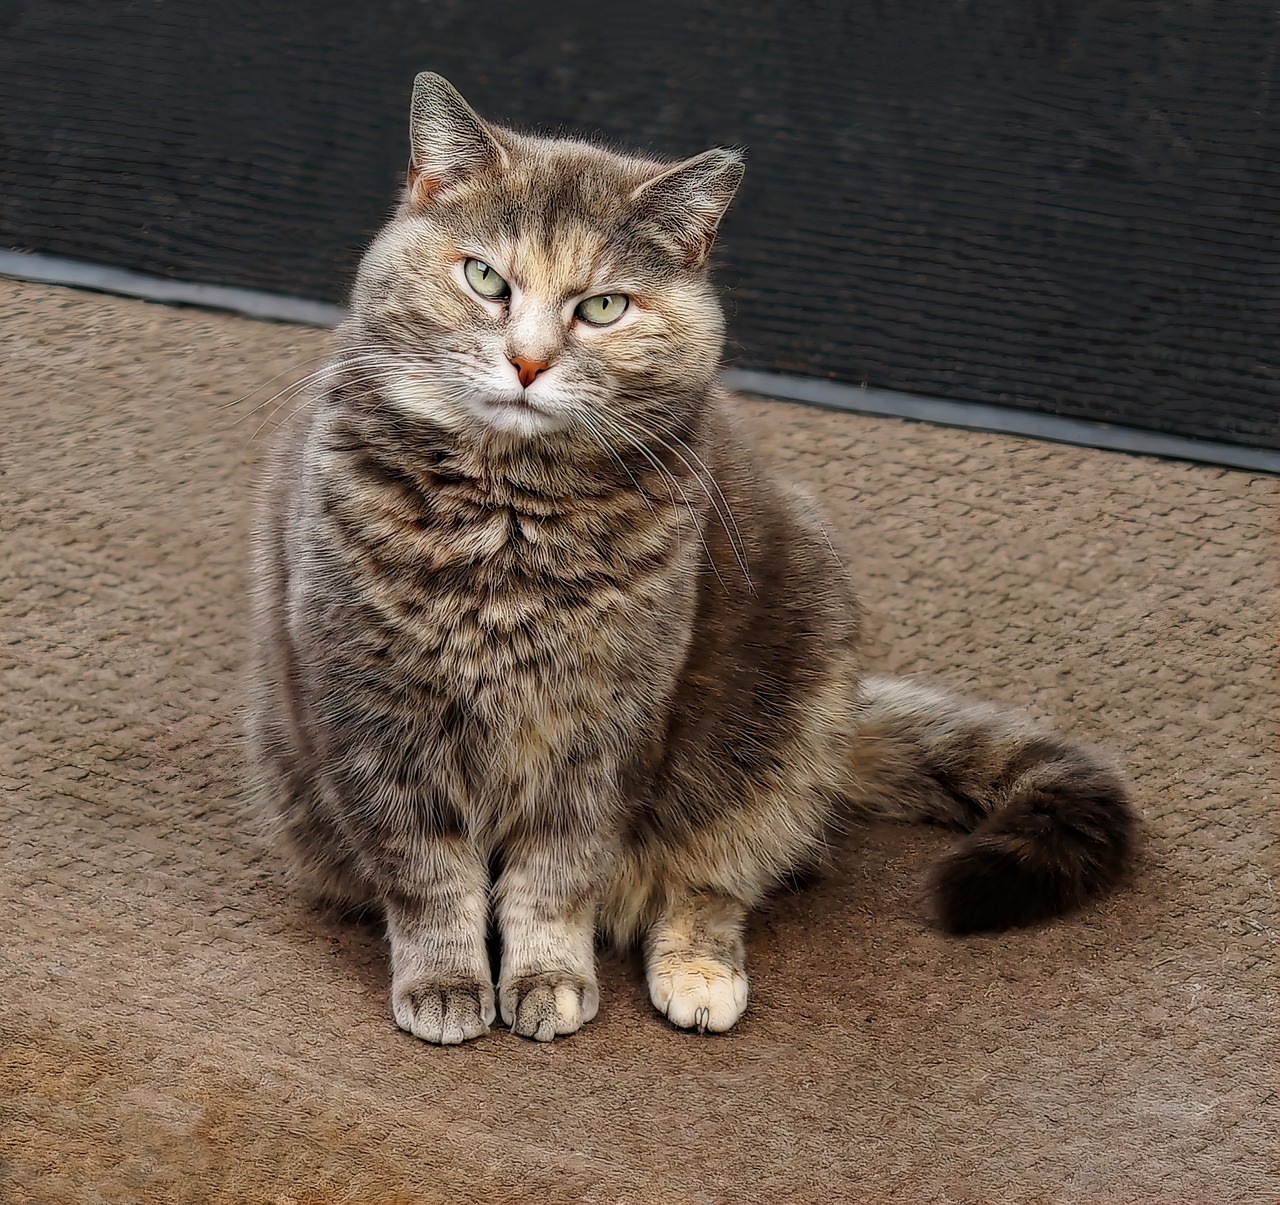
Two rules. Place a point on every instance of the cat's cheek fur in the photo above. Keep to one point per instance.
(420, 399)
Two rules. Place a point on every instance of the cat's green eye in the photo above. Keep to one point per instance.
(485, 280)
(602, 310)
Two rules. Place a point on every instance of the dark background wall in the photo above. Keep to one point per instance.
(1064, 205)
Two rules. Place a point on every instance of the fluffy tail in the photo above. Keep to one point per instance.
(1048, 820)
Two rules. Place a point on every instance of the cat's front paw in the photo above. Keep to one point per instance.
(445, 1012)
(698, 993)
(544, 1006)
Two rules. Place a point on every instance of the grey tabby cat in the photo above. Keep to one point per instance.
(541, 643)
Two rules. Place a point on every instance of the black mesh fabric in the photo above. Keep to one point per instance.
(1064, 205)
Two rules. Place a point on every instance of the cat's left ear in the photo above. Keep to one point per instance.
(448, 139)
(686, 202)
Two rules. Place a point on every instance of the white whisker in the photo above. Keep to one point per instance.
(737, 544)
(667, 476)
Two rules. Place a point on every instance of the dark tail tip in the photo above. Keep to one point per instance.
(1046, 853)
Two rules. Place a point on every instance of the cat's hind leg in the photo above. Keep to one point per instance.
(294, 817)
(695, 961)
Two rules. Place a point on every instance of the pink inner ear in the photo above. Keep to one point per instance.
(421, 186)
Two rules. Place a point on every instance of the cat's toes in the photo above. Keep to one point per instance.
(546, 1005)
(698, 993)
(445, 1012)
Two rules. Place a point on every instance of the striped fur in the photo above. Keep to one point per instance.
(567, 659)
(1047, 819)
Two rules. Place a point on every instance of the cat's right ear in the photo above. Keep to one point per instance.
(447, 140)
(684, 203)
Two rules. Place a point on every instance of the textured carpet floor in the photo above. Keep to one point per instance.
(175, 1027)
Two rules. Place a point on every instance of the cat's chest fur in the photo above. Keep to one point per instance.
(549, 622)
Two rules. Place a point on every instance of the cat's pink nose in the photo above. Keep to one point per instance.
(528, 370)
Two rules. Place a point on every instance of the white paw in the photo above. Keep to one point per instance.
(443, 1012)
(700, 993)
(547, 1005)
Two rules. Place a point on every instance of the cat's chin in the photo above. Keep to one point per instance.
(517, 416)
(470, 412)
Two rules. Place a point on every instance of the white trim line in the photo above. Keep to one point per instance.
(55, 270)
(1004, 420)
(885, 403)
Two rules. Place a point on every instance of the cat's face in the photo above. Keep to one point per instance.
(532, 285)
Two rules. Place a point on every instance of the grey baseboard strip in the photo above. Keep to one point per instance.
(884, 403)
(976, 416)
(276, 307)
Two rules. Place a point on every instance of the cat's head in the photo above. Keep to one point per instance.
(536, 285)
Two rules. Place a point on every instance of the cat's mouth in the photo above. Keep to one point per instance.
(517, 414)
(513, 403)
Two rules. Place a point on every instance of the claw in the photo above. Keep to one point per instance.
(702, 995)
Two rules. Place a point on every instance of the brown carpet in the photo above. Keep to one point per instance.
(175, 1027)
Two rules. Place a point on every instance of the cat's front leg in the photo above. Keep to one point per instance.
(546, 912)
(441, 984)
(695, 961)
(410, 833)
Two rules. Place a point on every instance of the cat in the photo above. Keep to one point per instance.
(542, 643)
